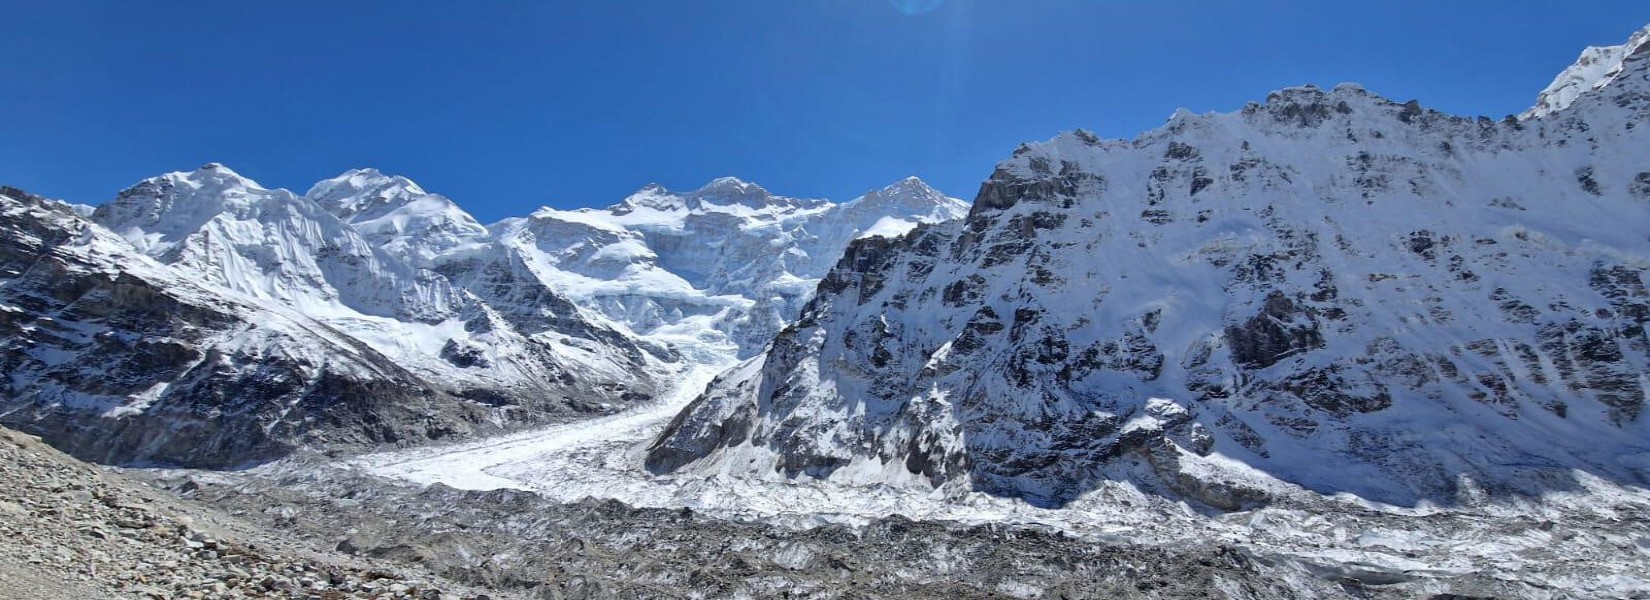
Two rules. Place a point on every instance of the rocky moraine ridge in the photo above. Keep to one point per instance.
(70, 530)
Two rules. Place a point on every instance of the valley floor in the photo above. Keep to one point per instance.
(498, 511)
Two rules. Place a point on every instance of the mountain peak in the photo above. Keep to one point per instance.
(360, 183)
(210, 176)
(1597, 68)
(908, 190)
(730, 186)
(911, 183)
(909, 197)
(396, 214)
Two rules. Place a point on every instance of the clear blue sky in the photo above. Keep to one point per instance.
(509, 105)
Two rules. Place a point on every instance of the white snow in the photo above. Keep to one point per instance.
(728, 261)
(889, 227)
(1597, 68)
(493, 463)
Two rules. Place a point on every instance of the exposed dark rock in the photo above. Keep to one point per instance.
(1282, 329)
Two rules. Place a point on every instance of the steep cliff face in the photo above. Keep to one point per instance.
(1329, 289)
(117, 358)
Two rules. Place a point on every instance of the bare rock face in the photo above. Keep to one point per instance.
(1280, 330)
(1329, 289)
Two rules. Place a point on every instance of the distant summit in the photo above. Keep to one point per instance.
(1597, 67)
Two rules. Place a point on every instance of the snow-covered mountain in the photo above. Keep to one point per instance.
(722, 266)
(592, 310)
(116, 357)
(203, 320)
(290, 251)
(1597, 67)
(1328, 289)
(271, 244)
(397, 216)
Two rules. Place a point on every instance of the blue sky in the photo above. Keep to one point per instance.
(509, 105)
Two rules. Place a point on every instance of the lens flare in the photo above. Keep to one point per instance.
(915, 7)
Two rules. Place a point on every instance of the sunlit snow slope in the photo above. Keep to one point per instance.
(1330, 288)
(727, 264)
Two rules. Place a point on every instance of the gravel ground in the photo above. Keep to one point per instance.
(69, 530)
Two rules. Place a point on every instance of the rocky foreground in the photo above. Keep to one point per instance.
(310, 529)
(70, 530)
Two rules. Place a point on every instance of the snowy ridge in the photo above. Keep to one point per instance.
(395, 214)
(1597, 68)
(116, 357)
(591, 294)
(270, 244)
(726, 264)
(288, 251)
(1453, 309)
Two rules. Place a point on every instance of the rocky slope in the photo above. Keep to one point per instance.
(557, 545)
(71, 531)
(1328, 289)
